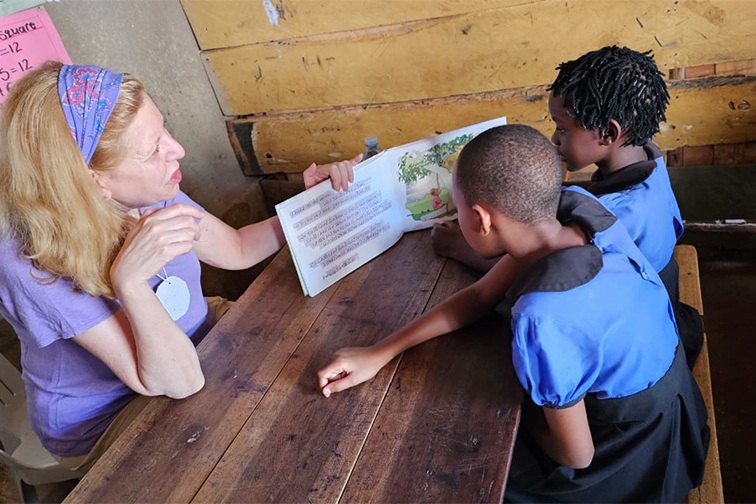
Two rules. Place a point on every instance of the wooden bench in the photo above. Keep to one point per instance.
(710, 490)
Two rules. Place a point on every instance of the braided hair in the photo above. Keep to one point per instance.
(615, 83)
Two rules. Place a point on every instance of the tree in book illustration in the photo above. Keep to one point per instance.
(429, 197)
(446, 154)
(415, 165)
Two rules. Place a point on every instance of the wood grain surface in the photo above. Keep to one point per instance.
(261, 431)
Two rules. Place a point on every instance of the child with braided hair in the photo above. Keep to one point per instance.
(611, 411)
(607, 105)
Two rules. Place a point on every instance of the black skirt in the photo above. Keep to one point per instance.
(689, 322)
(649, 447)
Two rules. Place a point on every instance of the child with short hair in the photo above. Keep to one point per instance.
(612, 411)
(607, 105)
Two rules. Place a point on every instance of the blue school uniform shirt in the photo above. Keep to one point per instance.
(591, 319)
(72, 396)
(641, 196)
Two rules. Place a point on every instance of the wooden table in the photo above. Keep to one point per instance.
(435, 425)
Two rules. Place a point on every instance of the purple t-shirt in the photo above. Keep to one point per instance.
(72, 396)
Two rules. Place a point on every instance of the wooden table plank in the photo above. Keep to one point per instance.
(239, 366)
(452, 412)
(312, 449)
(261, 431)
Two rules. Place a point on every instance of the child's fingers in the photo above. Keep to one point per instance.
(445, 225)
(329, 375)
(343, 381)
(329, 372)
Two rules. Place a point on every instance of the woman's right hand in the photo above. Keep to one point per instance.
(157, 238)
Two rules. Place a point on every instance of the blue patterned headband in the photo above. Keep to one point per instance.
(88, 95)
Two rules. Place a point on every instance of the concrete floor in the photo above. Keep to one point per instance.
(728, 283)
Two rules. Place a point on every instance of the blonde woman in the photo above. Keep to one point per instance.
(100, 253)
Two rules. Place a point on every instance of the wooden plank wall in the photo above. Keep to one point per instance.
(307, 80)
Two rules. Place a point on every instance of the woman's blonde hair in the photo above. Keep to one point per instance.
(48, 198)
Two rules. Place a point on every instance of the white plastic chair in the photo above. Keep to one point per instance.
(22, 450)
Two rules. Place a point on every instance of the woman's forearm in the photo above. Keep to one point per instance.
(224, 247)
(166, 360)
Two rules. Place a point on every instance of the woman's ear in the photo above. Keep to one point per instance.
(100, 181)
(483, 220)
(612, 133)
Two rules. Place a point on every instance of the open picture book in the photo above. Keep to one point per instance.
(402, 189)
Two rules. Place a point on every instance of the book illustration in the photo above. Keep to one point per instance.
(427, 175)
(402, 189)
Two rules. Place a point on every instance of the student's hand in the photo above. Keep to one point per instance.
(158, 237)
(447, 238)
(340, 173)
(350, 367)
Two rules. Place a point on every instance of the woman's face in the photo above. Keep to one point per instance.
(150, 172)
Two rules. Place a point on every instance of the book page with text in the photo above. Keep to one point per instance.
(330, 234)
(405, 188)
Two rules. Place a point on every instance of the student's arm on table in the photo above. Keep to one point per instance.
(352, 366)
(222, 246)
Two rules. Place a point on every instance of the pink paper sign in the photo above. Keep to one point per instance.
(27, 39)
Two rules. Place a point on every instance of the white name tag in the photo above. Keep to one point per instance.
(173, 293)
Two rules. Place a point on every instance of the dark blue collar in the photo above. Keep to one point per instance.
(626, 177)
(571, 267)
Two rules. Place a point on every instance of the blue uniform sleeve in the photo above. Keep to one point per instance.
(555, 363)
(674, 208)
(621, 205)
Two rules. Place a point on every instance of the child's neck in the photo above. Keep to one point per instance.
(622, 157)
(546, 238)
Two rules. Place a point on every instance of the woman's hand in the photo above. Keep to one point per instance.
(157, 238)
(350, 367)
(340, 173)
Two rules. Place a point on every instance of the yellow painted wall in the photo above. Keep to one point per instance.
(316, 77)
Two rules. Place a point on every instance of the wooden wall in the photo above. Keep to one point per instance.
(307, 80)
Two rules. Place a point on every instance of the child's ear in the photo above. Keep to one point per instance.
(483, 219)
(612, 133)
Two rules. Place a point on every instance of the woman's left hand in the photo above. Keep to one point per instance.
(341, 173)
